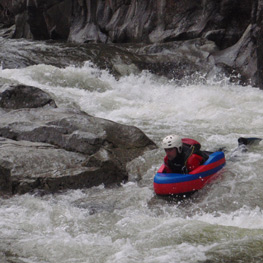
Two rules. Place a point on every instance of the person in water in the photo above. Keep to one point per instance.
(179, 157)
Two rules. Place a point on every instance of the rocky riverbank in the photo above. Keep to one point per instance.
(232, 28)
(50, 148)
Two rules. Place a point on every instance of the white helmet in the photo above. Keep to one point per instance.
(172, 141)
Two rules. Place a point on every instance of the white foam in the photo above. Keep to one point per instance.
(143, 97)
(242, 218)
(127, 225)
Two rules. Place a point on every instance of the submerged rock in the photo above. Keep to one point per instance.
(56, 148)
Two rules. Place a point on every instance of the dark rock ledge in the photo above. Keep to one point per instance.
(50, 148)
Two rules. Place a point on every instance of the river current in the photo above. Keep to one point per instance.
(221, 223)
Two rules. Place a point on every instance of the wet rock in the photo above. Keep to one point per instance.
(21, 96)
(7, 32)
(26, 166)
(72, 130)
(53, 148)
(178, 59)
(245, 56)
(241, 57)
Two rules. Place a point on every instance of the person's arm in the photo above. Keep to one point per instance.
(193, 162)
(167, 168)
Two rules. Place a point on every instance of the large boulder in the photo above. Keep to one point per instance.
(52, 148)
(27, 166)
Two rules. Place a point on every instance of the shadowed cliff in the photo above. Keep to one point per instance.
(233, 26)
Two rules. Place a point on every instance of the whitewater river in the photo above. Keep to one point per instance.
(221, 223)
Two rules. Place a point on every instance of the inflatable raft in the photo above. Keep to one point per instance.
(172, 183)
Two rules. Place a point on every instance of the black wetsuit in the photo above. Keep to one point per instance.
(177, 164)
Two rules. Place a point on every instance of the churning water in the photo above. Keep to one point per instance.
(221, 223)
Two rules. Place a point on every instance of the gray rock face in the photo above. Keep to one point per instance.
(235, 27)
(6, 15)
(22, 96)
(52, 148)
(136, 21)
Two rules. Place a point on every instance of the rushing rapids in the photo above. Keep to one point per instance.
(221, 223)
